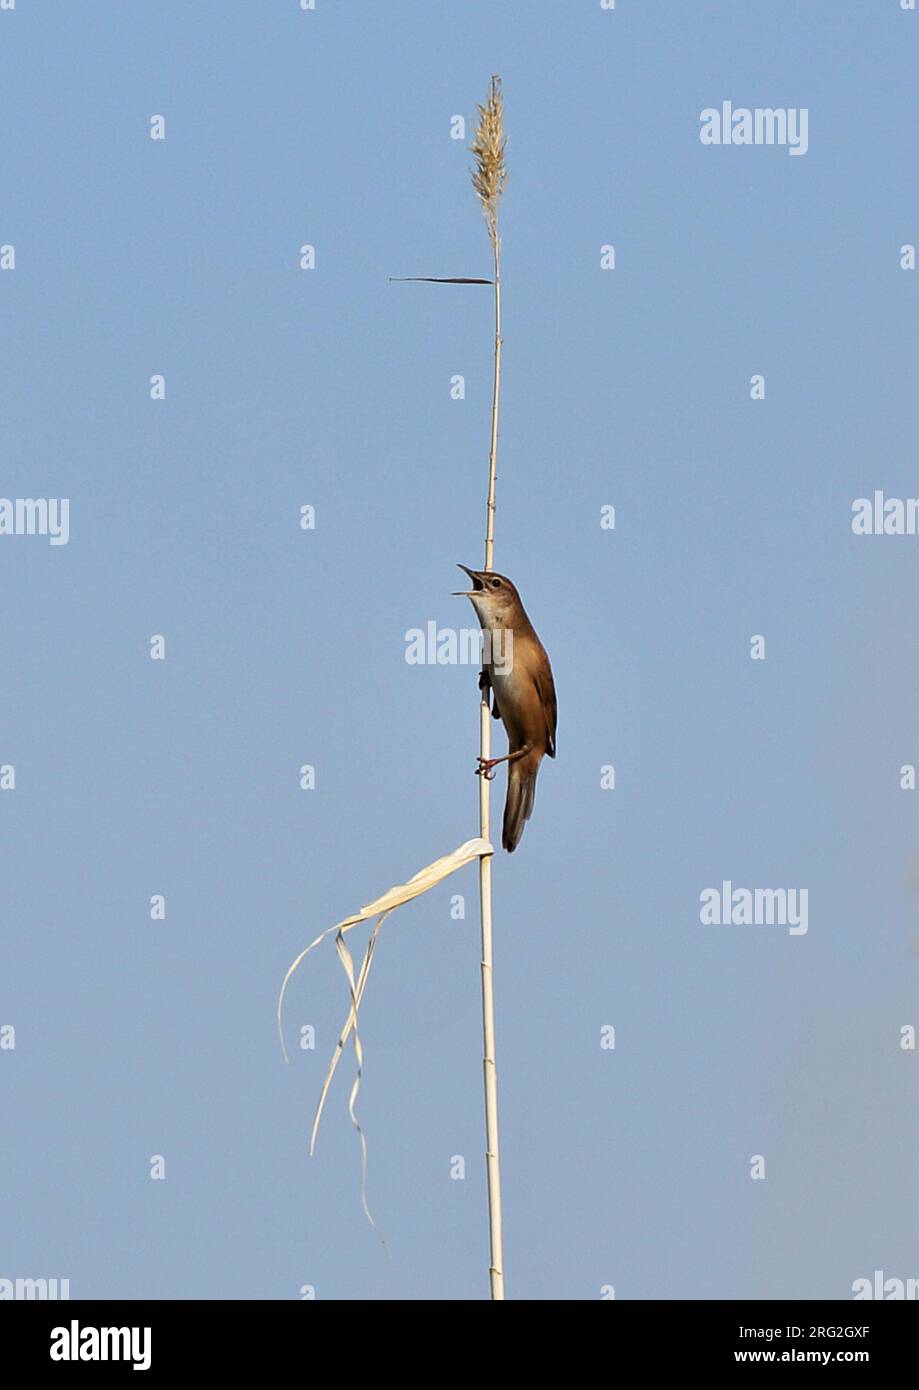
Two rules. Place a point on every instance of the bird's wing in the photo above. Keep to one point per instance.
(545, 687)
(487, 690)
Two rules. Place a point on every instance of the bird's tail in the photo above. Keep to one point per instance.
(521, 794)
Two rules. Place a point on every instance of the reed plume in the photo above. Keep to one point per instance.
(490, 172)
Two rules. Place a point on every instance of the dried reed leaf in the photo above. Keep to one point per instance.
(380, 908)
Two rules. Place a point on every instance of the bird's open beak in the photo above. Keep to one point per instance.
(478, 583)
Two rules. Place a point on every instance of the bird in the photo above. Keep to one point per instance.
(518, 673)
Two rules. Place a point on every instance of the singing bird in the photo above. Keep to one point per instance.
(517, 671)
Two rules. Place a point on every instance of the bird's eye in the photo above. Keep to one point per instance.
(496, 583)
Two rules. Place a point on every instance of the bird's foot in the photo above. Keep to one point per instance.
(486, 768)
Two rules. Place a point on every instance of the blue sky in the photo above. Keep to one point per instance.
(286, 647)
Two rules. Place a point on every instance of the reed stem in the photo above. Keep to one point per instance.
(488, 178)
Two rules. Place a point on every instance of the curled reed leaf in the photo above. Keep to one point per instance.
(380, 908)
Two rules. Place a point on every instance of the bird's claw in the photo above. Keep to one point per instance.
(486, 768)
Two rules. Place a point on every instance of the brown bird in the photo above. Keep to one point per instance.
(516, 669)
